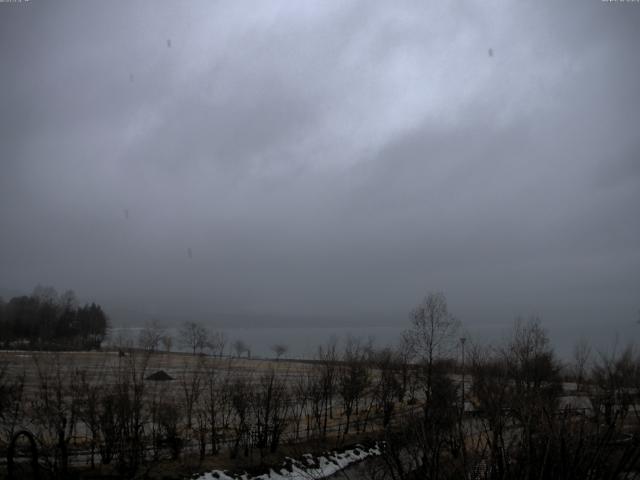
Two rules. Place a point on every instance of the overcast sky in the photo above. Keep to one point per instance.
(324, 160)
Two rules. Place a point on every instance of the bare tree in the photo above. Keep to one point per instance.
(279, 349)
(240, 347)
(270, 405)
(191, 384)
(533, 369)
(387, 386)
(404, 356)
(45, 294)
(317, 396)
(534, 375)
(432, 334)
(150, 336)
(581, 358)
(299, 405)
(168, 421)
(124, 414)
(167, 342)
(492, 395)
(527, 433)
(193, 336)
(55, 407)
(225, 397)
(615, 376)
(216, 343)
(241, 396)
(68, 300)
(90, 396)
(214, 396)
(352, 378)
(12, 404)
(419, 446)
(422, 440)
(327, 373)
(202, 428)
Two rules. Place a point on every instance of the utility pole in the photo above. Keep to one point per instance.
(461, 418)
(462, 342)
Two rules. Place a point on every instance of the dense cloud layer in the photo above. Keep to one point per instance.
(324, 160)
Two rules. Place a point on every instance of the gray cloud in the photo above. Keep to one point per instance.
(324, 160)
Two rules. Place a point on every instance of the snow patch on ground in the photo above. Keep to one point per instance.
(309, 468)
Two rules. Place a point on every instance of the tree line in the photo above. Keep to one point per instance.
(48, 321)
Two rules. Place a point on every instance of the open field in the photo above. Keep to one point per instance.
(97, 409)
(105, 365)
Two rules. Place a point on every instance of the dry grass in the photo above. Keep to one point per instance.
(104, 366)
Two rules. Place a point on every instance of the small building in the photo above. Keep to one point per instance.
(160, 376)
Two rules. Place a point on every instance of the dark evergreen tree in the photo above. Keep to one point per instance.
(46, 320)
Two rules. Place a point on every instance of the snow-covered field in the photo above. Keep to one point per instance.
(309, 468)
